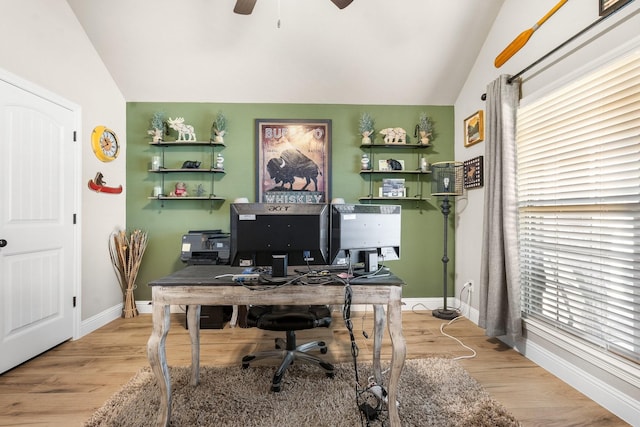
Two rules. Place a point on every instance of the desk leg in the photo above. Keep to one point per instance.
(156, 352)
(378, 333)
(193, 323)
(399, 351)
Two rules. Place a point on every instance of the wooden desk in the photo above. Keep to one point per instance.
(197, 285)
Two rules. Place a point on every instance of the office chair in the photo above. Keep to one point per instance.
(289, 318)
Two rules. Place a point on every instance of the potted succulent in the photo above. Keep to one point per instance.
(366, 127)
(219, 128)
(425, 129)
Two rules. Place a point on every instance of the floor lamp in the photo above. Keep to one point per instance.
(446, 181)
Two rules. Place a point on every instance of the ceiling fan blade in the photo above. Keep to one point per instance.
(244, 7)
(342, 3)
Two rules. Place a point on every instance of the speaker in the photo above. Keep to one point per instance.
(370, 261)
(279, 266)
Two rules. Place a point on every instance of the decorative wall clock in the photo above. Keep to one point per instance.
(104, 143)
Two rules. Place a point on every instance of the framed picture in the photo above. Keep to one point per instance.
(474, 129)
(608, 6)
(386, 165)
(293, 159)
(473, 173)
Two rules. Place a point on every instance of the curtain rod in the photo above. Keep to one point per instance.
(560, 46)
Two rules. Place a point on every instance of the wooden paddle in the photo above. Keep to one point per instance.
(523, 38)
(244, 7)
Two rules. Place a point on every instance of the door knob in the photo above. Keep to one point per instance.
(3, 243)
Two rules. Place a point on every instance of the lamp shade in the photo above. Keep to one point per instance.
(447, 178)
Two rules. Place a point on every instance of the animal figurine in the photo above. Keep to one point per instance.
(185, 132)
(394, 135)
(191, 164)
(394, 165)
(180, 191)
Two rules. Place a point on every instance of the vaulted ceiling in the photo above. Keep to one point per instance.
(389, 52)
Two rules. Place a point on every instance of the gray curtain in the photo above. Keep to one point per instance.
(499, 276)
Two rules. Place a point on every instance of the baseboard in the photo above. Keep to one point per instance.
(469, 312)
(144, 307)
(586, 372)
(99, 320)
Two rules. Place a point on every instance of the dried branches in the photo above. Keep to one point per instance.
(126, 256)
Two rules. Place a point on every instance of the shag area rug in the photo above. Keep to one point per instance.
(433, 392)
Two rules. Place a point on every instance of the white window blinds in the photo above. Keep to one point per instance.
(579, 207)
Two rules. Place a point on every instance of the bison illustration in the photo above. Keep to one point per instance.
(292, 164)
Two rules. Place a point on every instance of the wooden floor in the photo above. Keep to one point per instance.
(64, 386)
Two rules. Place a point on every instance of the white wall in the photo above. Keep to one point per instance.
(607, 380)
(41, 41)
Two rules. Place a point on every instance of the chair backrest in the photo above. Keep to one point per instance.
(289, 318)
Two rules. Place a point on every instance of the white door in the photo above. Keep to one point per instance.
(37, 199)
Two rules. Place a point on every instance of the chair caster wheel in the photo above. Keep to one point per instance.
(330, 374)
(276, 388)
(323, 350)
(246, 360)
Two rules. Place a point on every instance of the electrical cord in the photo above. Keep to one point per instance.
(370, 399)
(382, 271)
(473, 352)
(346, 316)
(445, 324)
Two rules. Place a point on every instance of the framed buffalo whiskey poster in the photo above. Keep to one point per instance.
(293, 159)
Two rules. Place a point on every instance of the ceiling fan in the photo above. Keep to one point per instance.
(245, 7)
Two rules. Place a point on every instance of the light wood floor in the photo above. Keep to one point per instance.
(64, 386)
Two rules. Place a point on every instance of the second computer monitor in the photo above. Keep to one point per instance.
(359, 232)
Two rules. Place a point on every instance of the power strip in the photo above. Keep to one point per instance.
(247, 277)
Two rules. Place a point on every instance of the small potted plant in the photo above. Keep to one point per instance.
(425, 128)
(157, 127)
(366, 127)
(219, 128)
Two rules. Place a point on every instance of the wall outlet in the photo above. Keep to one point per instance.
(469, 284)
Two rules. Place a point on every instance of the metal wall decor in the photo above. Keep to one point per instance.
(473, 173)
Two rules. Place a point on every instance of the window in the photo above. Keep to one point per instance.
(579, 207)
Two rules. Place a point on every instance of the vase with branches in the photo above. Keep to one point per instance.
(366, 127)
(157, 126)
(126, 251)
(219, 128)
(425, 129)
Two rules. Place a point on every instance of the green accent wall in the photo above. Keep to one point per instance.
(422, 247)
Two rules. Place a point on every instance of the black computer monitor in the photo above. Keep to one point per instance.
(365, 234)
(260, 231)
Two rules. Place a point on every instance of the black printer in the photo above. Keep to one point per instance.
(205, 247)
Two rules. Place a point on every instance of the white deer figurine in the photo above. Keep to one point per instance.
(185, 132)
